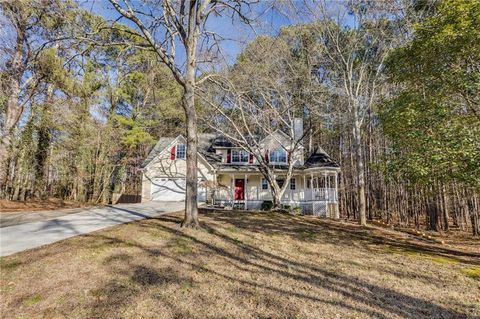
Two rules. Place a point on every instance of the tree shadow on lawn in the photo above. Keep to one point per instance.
(302, 228)
(368, 298)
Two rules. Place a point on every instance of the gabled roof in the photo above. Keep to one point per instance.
(208, 142)
(162, 143)
(204, 148)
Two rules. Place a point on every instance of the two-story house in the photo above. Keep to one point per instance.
(230, 176)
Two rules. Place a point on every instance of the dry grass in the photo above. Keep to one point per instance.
(10, 206)
(241, 265)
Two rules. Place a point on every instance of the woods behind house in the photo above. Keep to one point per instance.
(390, 89)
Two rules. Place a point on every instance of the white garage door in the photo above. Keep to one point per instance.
(168, 189)
(172, 189)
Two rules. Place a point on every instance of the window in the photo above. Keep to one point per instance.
(181, 151)
(292, 184)
(264, 183)
(239, 156)
(278, 156)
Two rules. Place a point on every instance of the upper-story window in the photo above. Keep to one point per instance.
(239, 156)
(278, 156)
(181, 151)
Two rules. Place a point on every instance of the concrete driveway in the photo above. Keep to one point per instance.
(33, 234)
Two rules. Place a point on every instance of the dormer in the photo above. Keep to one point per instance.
(276, 147)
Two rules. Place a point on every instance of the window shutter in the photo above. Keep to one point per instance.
(250, 158)
(229, 156)
(172, 153)
(266, 156)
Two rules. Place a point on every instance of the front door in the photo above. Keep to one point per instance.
(239, 189)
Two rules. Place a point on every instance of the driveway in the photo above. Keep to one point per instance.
(27, 235)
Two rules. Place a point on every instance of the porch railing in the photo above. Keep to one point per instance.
(316, 194)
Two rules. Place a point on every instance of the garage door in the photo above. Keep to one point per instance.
(168, 189)
(172, 189)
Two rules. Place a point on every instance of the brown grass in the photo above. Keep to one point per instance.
(240, 265)
(8, 206)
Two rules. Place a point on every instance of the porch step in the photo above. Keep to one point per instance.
(239, 205)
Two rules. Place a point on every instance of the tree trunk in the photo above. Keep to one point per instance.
(474, 215)
(432, 208)
(357, 145)
(191, 209)
(276, 200)
(445, 207)
(43, 145)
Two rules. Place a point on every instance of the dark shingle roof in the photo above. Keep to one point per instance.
(319, 158)
(221, 141)
(206, 144)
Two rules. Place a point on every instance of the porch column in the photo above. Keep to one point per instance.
(232, 189)
(336, 207)
(246, 191)
(304, 187)
(325, 184)
(214, 187)
(335, 186)
(311, 186)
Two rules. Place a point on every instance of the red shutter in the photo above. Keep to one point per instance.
(172, 153)
(266, 156)
(250, 158)
(229, 156)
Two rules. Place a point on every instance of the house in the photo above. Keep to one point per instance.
(229, 176)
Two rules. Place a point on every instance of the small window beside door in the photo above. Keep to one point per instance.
(264, 183)
(293, 184)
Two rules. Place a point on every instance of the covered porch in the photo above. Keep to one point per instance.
(315, 191)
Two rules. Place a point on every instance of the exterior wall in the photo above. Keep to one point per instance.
(146, 189)
(163, 167)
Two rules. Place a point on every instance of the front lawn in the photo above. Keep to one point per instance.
(241, 265)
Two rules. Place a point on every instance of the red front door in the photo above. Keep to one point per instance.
(239, 189)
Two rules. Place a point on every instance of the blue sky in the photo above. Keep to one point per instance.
(236, 33)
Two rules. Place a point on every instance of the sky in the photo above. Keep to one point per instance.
(236, 34)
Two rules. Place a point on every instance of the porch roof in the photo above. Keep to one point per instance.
(319, 158)
(252, 168)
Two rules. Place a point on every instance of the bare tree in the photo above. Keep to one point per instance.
(257, 104)
(354, 44)
(165, 24)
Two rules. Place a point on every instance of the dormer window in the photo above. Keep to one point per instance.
(278, 156)
(181, 151)
(239, 156)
